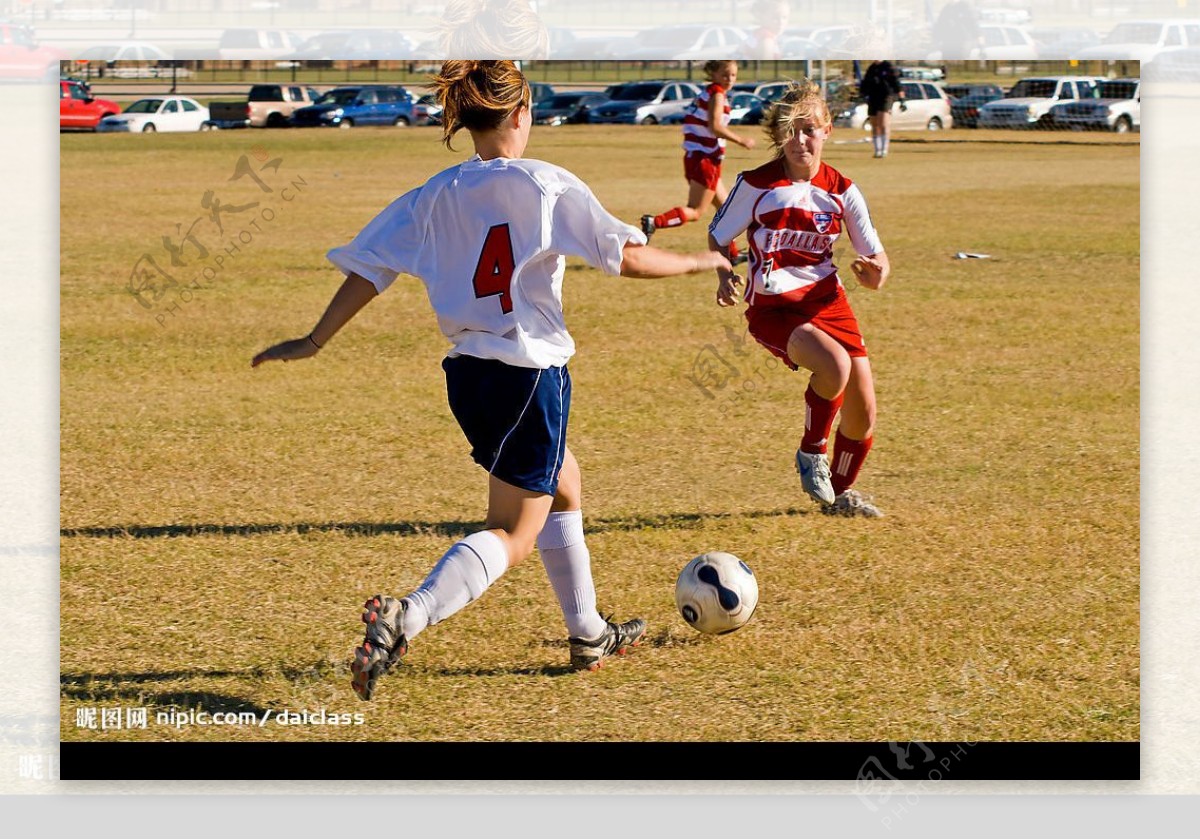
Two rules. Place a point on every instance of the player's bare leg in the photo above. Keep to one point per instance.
(567, 562)
(814, 350)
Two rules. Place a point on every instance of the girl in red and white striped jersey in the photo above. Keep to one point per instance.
(705, 130)
(793, 209)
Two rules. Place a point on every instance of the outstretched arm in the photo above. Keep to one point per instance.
(647, 261)
(354, 294)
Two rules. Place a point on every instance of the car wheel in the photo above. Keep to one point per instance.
(346, 124)
(649, 120)
(934, 124)
(1123, 125)
(401, 122)
(149, 127)
(276, 120)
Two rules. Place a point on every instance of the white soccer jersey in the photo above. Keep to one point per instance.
(698, 138)
(791, 227)
(488, 239)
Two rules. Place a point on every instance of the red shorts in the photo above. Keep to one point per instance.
(702, 169)
(772, 326)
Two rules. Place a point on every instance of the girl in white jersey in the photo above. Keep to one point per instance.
(488, 238)
(705, 130)
(793, 209)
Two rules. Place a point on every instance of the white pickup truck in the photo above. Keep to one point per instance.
(1118, 109)
(1029, 102)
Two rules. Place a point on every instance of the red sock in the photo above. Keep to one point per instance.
(848, 457)
(818, 420)
(733, 250)
(672, 218)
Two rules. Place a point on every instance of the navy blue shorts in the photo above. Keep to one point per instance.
(514, 418)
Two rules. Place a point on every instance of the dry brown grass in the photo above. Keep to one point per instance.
(998, 600)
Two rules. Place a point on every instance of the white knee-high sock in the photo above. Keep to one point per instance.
(461, 576)
(569, 566)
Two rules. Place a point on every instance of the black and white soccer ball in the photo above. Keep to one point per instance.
(716, 593)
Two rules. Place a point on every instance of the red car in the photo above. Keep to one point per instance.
(21, 59)
(77, 108)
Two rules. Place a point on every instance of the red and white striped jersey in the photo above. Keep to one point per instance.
(791, 227)
(697, 136)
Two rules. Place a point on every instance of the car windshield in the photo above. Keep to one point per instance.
(144, 106)
(1034, 89)
(1134, 33)
(561, 101)
(340, 96)
(669, 37)
(1118, 90)
(326, 41)
(634, 93)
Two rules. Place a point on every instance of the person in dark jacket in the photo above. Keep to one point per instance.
(880, 87)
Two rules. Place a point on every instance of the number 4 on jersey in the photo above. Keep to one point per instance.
(493, 274)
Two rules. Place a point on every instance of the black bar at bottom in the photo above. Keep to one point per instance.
(650, 760)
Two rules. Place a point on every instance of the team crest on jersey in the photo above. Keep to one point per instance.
(822, 221)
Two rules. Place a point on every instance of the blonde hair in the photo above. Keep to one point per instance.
(479, 95)
(493, 29)
(802, 101)
(712, 68)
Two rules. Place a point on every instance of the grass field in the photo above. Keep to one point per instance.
(221, 526)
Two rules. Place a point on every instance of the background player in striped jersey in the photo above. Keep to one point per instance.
(488, 239)
(793, 209)
(705, 130)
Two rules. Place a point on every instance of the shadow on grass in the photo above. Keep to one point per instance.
(145, 687)
(451, 529)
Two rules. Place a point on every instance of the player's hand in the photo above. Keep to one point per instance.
(288, 351)
(868, 271)
(728, 289)
(748, 142)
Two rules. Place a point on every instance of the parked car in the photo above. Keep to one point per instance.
(1028, 103)
(540, 91)
(426, 110)
(968, 99)
(77, 108)
(1006, 43)
(643, 103)
(21, 58)
(356, 45)
(1119, 108)
(160, 113)
(740, 104)
(1142, 40)
(267, 106)
(686, 42)
(926, 105)
(223, 116)
(567, 108)
(257, 44)
(346, 107)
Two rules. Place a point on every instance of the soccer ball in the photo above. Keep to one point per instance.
(716, 593)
